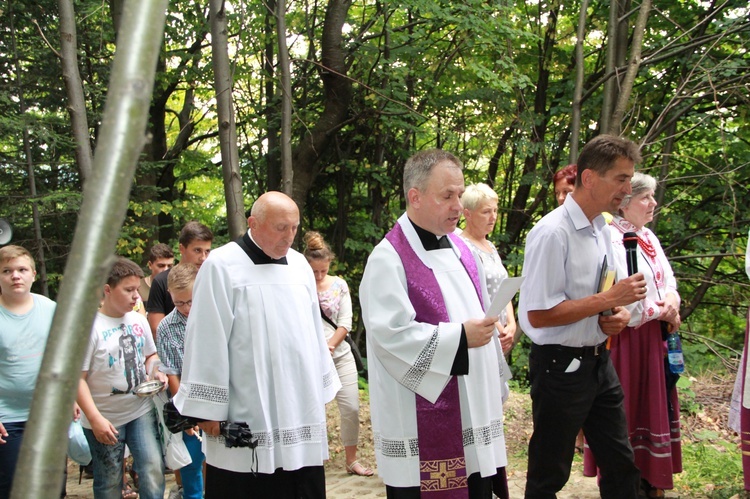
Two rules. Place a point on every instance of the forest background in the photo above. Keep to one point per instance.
(326, 100)
(498, 83)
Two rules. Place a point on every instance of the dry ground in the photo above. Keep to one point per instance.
(712, 395)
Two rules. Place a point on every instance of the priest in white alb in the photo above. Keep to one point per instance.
(434, 358)
(255, 353)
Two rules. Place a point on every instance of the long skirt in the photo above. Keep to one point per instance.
(651, 405)
(744, 410)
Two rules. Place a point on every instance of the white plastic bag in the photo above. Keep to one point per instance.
(175, 452)
(78, 446)
(176, 455)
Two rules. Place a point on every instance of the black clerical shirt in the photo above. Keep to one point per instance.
(255, 253)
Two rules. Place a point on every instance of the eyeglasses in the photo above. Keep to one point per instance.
(183, 303)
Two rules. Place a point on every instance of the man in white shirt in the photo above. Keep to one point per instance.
(255, 353)
(573, 382)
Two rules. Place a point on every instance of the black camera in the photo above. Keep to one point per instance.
(176, 422)
(237, 435)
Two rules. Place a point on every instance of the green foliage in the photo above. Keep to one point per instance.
(364, 388)
(713, 468)
(518, 386)
(519, 362)
(490, 81)
(686, 396)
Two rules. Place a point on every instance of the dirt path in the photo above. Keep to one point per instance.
(518, 427)
(340, 485)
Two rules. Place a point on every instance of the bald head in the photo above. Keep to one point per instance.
(273, 222)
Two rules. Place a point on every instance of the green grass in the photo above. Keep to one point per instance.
(713, 468)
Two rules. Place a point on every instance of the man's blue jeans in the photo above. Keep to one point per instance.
(192, 474)
(141, 437)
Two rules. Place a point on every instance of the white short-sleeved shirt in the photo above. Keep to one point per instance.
(563, 261)
(115, 360)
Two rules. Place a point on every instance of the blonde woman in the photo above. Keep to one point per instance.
(336, 312)
(480, 212)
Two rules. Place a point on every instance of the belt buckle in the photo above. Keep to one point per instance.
(598, 349)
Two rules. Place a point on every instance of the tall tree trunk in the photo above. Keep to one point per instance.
(617, 50)
(74, 88)
(575, 125)
(610, 85)
(163, 176)
(287, 172)
(500, 150)
(105, 200)
(666, 155)
(116, 8)
(40, 260)
(158, 150)
(273, 168)
(230, 160)
(338, 94)
(519, 215)
(626, 87)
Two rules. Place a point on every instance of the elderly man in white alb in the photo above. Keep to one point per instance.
(435, 386)
(255, 353)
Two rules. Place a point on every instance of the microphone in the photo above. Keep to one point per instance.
(630, 240)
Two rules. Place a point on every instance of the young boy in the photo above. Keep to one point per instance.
(195, 245)
(120, 353)
(25, 320)
(160, 259)
(170, 343)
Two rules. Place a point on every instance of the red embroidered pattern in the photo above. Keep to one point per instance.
(646, 246)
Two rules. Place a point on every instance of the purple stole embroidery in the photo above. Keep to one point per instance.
(442, 465)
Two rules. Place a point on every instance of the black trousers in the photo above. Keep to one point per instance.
(479, 488)
(304, 483)
(588, 396)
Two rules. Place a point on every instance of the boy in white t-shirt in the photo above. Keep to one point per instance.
(121, 354)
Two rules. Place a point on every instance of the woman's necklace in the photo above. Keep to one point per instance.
(480, 243)
(647, 247)
(626, 226)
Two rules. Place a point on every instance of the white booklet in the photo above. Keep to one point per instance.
(508, 288)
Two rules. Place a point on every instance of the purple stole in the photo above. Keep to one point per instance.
(442, 465)
(745, 413)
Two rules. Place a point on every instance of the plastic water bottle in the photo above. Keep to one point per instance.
(674, 353)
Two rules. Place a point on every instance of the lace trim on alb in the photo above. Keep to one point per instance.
(413, 377)
(208, 393)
